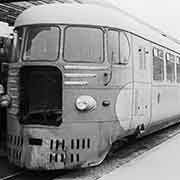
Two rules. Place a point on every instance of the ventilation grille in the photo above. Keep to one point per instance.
(56, 144)
(15, 140)
(80, 143)
(14, 149)
(14, 153)
(57, 157)
(13, 90)
(74, 158)
(75, 144)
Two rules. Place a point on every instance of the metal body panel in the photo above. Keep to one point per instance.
(71, 145)
(109, 17)
(165, 102)
(141, 83)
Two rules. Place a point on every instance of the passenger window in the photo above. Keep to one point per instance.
(118, 47)
(158, 64)
(170, 67)
(178, 69)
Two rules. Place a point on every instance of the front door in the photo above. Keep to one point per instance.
(142, 84)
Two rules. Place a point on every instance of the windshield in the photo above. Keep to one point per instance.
(83, 44)
(41, 43)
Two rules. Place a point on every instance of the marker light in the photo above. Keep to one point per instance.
(85, 103)
(5, 101)
(1, 89)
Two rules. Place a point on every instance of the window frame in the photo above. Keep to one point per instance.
(119, 46)
(172, 59)
(14, 58)
(177, 61)
(156, 54)
(110, 59)
(25, 42)
(129, 47)
(84, 26)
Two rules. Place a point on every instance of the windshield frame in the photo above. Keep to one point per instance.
(26, 40)
(84, 26)
(17, 46)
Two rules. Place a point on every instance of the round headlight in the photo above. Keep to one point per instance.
(85, 103)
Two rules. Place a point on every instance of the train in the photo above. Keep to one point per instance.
(81, 77)
(5, 51)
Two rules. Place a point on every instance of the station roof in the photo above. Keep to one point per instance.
(9, 9)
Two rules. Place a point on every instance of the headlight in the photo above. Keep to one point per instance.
(1, 89)
(5, 101)
(85, 103)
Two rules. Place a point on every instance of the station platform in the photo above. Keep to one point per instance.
(161, 163)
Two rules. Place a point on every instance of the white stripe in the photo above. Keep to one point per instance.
(13, 73)
(13, 89)
(85, 67)
(12, 81)
(14, 97)
(76, 83)
(69, 75)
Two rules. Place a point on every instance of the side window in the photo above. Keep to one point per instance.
(170, 67)
(158, 64)
(17, 43)
(124, 48)
(178, 69)
(113, 46)
(118, 47)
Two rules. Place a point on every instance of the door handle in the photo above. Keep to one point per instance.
(107, 78)
(158, 98)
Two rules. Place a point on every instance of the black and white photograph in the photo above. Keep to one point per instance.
(89, 90)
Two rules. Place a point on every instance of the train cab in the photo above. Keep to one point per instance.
(81, 78)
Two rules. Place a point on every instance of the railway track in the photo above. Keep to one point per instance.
(14, 175)
(121, 153)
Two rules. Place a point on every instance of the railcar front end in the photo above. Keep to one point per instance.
(62, 113)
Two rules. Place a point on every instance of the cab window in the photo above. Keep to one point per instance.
(41, 43)
(83, 44)
(118, 47)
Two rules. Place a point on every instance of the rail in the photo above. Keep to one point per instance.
(14, 175)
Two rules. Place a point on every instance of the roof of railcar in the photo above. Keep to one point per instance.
(91, 14)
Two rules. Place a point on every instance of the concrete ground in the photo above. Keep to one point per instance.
(160, 163)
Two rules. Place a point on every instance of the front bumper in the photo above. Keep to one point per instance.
(71, 145)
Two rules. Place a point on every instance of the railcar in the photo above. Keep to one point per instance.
(83, 76)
